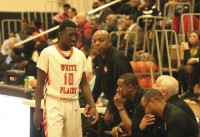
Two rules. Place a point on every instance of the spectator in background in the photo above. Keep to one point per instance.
(85, 30)
(59, 18)
(72, 14)
(89, 65)
(104, 12)
(149, 9)
(25, 25)
(3, 67)
(9, 43)
(133, 31)
(111, 24)
(130, 7)
(12, 55)
(39, 46)
(28, 66)
(189, 73)
(28, 47)
(37, 29)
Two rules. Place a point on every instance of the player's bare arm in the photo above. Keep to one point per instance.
(37, 116)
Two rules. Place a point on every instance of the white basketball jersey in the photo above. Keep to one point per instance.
(64, 75)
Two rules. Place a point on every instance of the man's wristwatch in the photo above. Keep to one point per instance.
(121, 109)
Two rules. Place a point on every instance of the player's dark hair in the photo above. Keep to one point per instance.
(66, 23)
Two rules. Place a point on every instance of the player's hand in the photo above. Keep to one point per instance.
(90, 111)
(147, 120)
(37, 119)
(116, 131)
(119, 100)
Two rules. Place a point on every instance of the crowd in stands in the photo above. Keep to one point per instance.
(122, 19)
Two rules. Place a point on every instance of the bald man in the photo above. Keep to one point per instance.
(110, 65)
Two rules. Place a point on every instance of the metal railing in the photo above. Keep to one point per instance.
(10, 25)
(167, 45)
(36, 36)
(120, 36)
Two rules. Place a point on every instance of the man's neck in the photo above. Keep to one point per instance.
(160, 108)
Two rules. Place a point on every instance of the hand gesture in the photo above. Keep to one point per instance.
(147, 120)
(37, 119)
(90, 111)
(116, 131)
(119, 100)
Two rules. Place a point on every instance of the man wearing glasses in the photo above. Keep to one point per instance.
(177, 122)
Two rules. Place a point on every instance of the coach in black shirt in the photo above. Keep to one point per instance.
(178, 122)
(110, 64)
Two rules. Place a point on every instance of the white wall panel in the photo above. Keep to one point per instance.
(43, 5)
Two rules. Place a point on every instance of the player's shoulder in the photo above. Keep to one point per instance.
(78, 52)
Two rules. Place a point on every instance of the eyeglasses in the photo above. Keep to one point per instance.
(144, 107)
(157, 98)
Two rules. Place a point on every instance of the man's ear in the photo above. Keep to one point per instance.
(59, 34)
(164, 92)
(130, 87)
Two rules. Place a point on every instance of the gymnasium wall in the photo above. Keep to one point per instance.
(43, 5)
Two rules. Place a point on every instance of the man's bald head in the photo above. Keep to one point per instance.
(101, 42)
(103, 33)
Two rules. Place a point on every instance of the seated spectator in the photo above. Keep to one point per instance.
(148, 9)
(177, 121)
(37, 29)
(104, 12)
(111, 24)
(189, 72)
(186, 19)
(39, 46)
(25, 25)
(89, 71)
(28, 47)
(72, 14)
(129, 38)
(3, 67)
(85, 30)
(12, 55)
(24, 64)
(9, 43)
(61, 16)
(130, 7)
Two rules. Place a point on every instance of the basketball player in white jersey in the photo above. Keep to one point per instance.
(61, 68)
